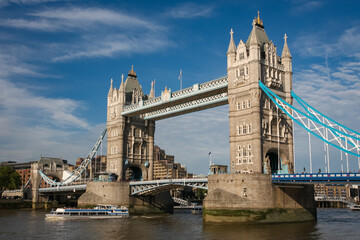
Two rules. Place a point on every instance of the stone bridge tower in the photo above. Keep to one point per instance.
(130, 140)
(261, 137)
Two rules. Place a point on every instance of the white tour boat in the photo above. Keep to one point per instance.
(355, 208)
(101, 211)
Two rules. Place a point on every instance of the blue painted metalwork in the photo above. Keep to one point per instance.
(282, 104)
(317, 177)
(300, 100)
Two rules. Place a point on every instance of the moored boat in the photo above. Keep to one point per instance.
(101, 211)
(197, 209)
(355, 208)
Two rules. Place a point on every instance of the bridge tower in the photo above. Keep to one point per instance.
(130, 140)
(261, 137)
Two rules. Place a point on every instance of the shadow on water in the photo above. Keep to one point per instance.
(304, 230)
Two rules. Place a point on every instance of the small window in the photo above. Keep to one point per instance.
(241, 56)
(245, 130)
(242, 72)
(249, 104)
(240, 130)
(243, 104)
(238, 106)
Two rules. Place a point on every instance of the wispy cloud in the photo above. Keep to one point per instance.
(317, 44)
(84, 27)
(191, 10)
(304, 6)
(18, 102)
(4, 3)
(74, 18)
(337, 97)
(114, 44)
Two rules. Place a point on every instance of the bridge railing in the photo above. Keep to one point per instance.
(219, 82)
(316, 177)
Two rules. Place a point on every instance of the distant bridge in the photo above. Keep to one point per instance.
(317, 177)
(151, 187)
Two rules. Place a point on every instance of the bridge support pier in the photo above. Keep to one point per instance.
(253, 198)
(35, 183)
(118, 193)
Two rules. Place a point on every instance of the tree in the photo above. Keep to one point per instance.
(9, 178)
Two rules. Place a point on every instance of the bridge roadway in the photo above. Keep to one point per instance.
(169, 104)
(150, 187)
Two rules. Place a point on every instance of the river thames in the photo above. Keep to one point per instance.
(30, 224)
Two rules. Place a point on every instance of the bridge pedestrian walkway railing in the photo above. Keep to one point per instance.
(317, 177)
(197, 91)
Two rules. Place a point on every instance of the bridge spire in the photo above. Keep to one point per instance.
(121, 89)
(111, 87)
(232, 48)
(231, 53)
(152, 92)
(286, 51)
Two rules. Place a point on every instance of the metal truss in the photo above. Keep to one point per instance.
(77, 173)
(188, 106)
(71, 188)
(319, 125)
(187, 95)
(153, 187)
(180, 201)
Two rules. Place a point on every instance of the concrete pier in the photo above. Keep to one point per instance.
(253, 198)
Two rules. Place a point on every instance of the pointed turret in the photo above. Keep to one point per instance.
(231, 53)
(232, 48)
(286, 51)
(258, 34)
(152, 92)
(122, 88)
(253, 39)
(111, 88)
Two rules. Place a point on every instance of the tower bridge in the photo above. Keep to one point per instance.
(258, 90)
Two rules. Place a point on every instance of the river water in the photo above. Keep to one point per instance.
(30, 224)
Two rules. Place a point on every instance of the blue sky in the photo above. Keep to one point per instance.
(57, 58)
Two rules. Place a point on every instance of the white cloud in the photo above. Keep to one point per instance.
(5, 3)
(114, 44)
(305, 6)
(318, 44)
(190, 10)
(34, 125)
(337, 97)
(88, 33)
(73, 19)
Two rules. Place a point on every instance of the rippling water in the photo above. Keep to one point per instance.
(30, 224)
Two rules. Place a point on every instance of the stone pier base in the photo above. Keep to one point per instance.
(118, 193)
(253, 198)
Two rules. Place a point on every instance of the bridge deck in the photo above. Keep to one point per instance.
(195, 98)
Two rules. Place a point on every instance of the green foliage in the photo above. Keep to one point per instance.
(9, 178)
(200, 193)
